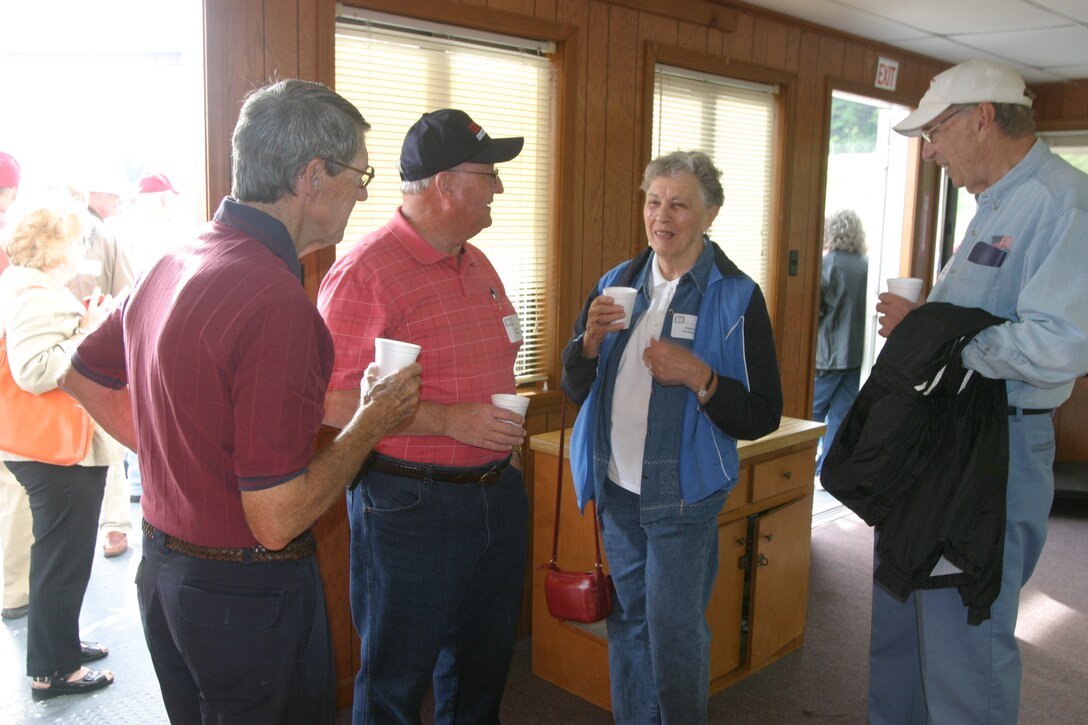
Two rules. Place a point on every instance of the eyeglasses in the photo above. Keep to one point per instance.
(366, 175)
(494, 173)
(927, 134)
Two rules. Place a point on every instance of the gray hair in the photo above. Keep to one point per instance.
(693, 162)
(415, 187)
(1012, 119)
(843, 233)
(282, 128)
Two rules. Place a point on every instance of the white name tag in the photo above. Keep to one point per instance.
(91, 268)
(513, 327)
(683, 326)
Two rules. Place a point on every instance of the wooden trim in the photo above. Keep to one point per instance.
(698, 12)
(472, 16)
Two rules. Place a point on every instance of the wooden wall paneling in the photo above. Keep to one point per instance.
(547, 9)
(853, 62)
(520, 7)
(739, 44)
(597, 131)
(620, 242)
(688, 35)
(570, 286)
(776, 48)
(234, 63)
(793, 50)
(283, 33)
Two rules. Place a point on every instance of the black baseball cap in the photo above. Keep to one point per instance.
(442, 139)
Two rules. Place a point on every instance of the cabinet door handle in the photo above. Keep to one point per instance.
(787, 475)
(769, 537)
(762, 560)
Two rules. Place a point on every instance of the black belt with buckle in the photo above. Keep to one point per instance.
(1029, 411)
(300, 547)
(483, 476)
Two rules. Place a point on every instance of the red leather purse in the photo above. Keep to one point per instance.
(577, 596)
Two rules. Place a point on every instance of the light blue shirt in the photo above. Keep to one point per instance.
(1025, 258)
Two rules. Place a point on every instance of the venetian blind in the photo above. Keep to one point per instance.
(731, 121)
(396, 69)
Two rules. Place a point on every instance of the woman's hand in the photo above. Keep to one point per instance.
(98, 307)
(671, 364)
(604, 316)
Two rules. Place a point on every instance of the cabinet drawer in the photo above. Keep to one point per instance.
(783, 473)
(738, 497)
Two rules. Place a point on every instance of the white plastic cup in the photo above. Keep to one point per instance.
(906, 287)
(392, 355)
(515, 403)
(624, 297)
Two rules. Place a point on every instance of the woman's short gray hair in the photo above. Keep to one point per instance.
(692, 162)
(282, 128)
(843, 233)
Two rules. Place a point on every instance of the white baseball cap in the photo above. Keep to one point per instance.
(974, 81)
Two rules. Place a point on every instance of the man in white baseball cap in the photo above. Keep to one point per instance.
(1022, 259)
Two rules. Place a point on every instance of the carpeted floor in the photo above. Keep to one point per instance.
(823, 683)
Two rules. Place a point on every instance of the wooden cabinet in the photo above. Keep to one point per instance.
(758, 605)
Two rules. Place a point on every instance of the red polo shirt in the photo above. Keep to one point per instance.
(394, 284)
(227, 361)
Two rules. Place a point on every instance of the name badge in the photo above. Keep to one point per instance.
(91, 268)
(513, 327)
(683, 327)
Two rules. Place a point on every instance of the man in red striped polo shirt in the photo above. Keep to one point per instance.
(439, 518)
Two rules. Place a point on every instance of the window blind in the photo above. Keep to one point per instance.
(395, 74)
(732, 121)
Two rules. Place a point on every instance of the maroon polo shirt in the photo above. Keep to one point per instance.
(227, 361)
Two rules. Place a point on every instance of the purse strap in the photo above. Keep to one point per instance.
(554, 563)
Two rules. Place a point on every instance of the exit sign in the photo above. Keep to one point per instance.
(887, 73)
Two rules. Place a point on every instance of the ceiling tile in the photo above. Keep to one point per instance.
(833, 14)
(1038, 48)
(1075, 9)
(947, 17)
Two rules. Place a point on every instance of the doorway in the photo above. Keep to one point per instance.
(866, 173)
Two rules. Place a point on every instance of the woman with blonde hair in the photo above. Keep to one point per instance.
(42, 324)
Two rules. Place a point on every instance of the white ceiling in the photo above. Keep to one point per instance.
(1045, 40)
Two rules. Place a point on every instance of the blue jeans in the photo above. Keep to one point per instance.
(436, 586)
(658, 636)
(833, 394)
(926, 664)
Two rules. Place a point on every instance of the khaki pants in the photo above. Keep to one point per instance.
(16, 536)
(116, 508)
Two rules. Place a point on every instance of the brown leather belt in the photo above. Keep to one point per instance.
(483, 476)
(300, 547)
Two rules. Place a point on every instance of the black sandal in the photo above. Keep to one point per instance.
(91, 651)
(59, 685)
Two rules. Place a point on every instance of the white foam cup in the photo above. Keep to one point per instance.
(625, 297)
(516, 403)
(906, 287)
(392, 355)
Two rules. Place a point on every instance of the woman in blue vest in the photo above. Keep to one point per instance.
(664, 401)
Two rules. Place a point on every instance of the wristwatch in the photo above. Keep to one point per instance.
(704, 392)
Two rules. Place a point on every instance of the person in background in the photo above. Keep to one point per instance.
(841, 334)
(42, 324)
(663, 403)
(106, 270)
(148, 225)
(214, 370)
(16, 528)
(1023, 259)
(439, 518)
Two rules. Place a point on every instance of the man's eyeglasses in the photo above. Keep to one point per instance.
(494, 173)
(366, 175)
(928, 133)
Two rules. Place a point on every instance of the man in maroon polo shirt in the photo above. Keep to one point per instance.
(214, 370)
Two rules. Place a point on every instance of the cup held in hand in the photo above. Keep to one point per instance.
(516, 403)
(392, 355)
(625, 297)
(906, 287)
